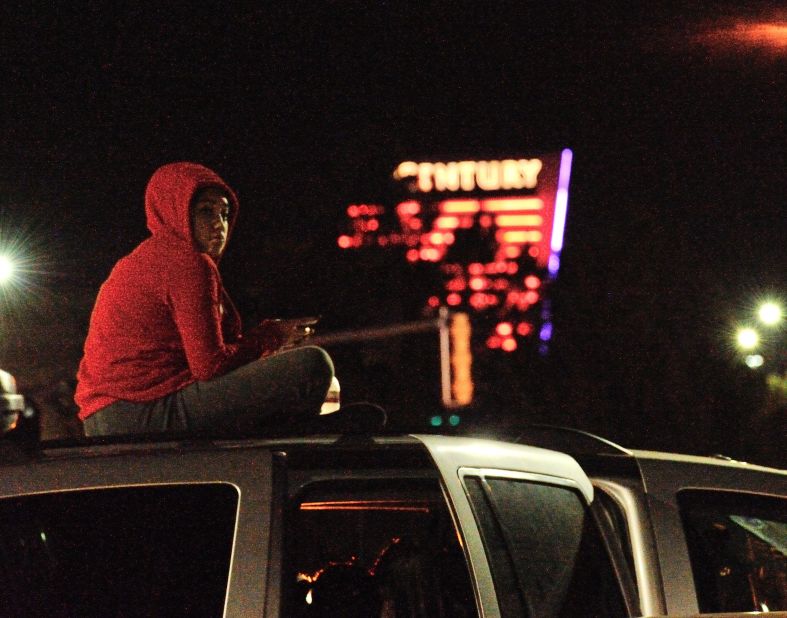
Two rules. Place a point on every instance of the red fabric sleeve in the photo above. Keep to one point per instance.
(195, 307)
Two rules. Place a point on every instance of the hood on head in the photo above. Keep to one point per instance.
(169, 193)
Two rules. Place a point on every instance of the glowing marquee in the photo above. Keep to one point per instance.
(514, 210)
(471, 175)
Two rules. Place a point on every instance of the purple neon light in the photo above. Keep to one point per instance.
(546, 331)
(561, 207)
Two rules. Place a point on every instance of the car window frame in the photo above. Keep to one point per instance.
(135, 466)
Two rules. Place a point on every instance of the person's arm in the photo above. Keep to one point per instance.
(195, 295)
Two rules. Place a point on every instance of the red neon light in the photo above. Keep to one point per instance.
(493, 342)
(512, 252)
(509, 204)
(453, 299)
(518, 220)
(532, 282)
(518, 236)
(408, 209)
(412, 255)
(476, 269)
(446, 223)
(478, 301)
(504, 329)
(478, 283)
(509, 345)
(531, 297)
(524, 329)
(459, 206)
(457, 284)
(345, 242)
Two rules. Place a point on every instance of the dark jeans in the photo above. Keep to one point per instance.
(290, 384)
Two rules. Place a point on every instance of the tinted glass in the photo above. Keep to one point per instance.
(136, 551)
(542, 539)
(375, 548)
(738, 550)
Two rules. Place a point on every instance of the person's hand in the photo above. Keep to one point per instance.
(291, 332)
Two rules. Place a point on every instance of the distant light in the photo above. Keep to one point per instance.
(436, 420)
(770, 36)
(754, 360)
(770, 313)
(561, 209)
(504, 329)
(454, 420)
(553, 265)
(509, 344)
(7, 268)
(546, 332)
(524, 329)
(561, 201)
(518, 220)
(747, 338)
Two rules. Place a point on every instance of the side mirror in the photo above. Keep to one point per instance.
(11, 403)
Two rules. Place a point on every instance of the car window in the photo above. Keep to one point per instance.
(738, 550)
(374, 548)
(545, 552)
(133, 551)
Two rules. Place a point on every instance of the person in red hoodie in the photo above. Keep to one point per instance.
(164, 350)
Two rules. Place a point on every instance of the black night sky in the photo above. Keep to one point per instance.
(675, 223)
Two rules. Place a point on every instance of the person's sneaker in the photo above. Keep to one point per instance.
(332, 401)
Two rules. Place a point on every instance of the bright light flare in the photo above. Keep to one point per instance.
(763, 35)
(7, 269)
(770, 313)
(747, 338)
(753, 361)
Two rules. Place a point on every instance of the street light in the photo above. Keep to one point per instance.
(770, 313)
(7, 268)
(747, 338)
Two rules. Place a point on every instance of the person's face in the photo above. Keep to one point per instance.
(210, 215)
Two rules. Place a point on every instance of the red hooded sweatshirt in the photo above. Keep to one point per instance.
(162, 319)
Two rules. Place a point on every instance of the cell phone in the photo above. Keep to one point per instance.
(305, 321)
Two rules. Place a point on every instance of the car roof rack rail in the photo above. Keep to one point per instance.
(573, 441)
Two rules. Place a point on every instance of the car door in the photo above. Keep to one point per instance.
(136, 530)
(530, 539)
(720, 531)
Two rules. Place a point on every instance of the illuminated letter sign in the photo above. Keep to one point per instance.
(508, 174)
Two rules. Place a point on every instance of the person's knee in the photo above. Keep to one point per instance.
(319, 363)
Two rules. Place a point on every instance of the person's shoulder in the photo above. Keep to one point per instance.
(175, 254)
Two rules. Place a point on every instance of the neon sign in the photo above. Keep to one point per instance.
(506, 175)
(511, 211)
